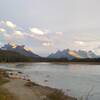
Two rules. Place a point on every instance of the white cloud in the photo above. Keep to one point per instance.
(10, 24)
(2, 30)
(81, 43)
(18, 33)
(40, 38)
(47, 44)
(37, 31)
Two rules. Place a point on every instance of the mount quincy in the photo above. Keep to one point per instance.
(18, 53)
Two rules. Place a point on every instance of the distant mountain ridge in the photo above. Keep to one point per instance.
(66, 53)
(87, 54)
(19, 49)
(72, 54)
(61, 54)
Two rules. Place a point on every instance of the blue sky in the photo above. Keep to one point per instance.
(45, 26)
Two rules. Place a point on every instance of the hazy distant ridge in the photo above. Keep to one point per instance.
(72, 54)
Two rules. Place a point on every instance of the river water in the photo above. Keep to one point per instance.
(75, 79)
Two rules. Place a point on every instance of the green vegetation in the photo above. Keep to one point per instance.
(3, 77)
(5, 95)
(10, 56)
(56, 95)
(2, 81)
(59, 95)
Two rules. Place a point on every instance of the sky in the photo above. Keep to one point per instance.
(45, 26)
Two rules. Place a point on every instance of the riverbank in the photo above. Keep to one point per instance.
(23, 89)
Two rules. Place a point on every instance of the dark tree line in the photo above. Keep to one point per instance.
(10, 56)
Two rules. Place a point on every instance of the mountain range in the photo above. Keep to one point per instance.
(19, 49)
(65, 54)
(72, 54)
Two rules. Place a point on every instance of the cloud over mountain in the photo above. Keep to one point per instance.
(42, 40)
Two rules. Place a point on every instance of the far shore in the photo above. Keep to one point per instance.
(56, 62)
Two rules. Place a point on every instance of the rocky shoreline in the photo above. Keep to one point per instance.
(23, 88)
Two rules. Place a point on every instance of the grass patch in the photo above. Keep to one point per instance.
(5, 95)
(3, 77)
(3, 81)
(59, 95)
(30, 84)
